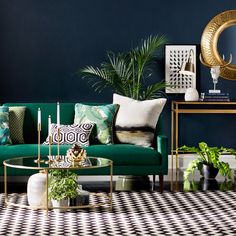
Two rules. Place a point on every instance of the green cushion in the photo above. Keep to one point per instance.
(101, 116)
(4, 126)
(30, 124)
(16, 123)
(121, 154)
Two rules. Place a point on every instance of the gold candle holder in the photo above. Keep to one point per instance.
(49, 150)
(58, 143)
(50, 147)
(39, 157)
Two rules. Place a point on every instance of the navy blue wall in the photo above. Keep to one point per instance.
(43, 42)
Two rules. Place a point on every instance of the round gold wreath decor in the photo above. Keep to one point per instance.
(209, 42)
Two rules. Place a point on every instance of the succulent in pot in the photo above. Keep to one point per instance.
(208, 161)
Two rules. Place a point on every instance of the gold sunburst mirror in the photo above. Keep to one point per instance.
(210, 39)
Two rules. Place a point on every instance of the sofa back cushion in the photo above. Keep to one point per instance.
(16, 124)
(4, 126)
(103, 118)
(136, 120)
(67, 117)
(30, 121)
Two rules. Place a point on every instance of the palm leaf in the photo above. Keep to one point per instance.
(154, 91)
(126, 73)
(146, 54)
(100, 78)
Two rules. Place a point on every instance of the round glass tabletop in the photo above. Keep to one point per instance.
(56, 162)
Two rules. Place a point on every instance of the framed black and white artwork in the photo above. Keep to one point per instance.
(175, 57)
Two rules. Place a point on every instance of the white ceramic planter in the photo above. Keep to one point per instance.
(61, 203)
(191, 94)
(36, 190)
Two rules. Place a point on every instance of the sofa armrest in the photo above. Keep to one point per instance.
(162, 148)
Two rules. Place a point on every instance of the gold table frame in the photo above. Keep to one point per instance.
(107, 197)
(179, 107)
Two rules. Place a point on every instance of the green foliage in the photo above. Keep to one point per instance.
(208, 156)
(191, 185)
(62, 185)
(226, 185)
(126, 73)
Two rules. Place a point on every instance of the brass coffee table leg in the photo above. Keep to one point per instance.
(5, 184)
(46, 171)
(111, 183)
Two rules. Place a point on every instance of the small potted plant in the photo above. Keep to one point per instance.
(63, 186)
(208, 161)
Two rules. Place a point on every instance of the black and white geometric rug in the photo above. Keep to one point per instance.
(134, 213)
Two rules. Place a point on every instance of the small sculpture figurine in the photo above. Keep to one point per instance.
(215, 71)
(76, 154)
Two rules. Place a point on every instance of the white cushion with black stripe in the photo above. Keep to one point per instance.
(136, 120)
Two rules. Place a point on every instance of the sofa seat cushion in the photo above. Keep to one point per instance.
(121, 154)
(21, 150)
(126, 154)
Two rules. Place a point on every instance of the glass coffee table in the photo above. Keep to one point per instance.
(60, 163)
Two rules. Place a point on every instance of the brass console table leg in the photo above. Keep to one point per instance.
(176, 146)
(172, 144)
(176, 136)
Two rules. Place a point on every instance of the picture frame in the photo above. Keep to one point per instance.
(175, 56)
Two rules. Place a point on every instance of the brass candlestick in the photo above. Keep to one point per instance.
(49, 150)
(39, 130)
(58, 143)
(50, 147)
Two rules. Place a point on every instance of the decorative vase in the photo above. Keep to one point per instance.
(209, 171)
(36, 190)
(209, 184)
(61, 203)
(191, 94)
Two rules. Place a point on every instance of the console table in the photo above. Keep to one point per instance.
(182, 107)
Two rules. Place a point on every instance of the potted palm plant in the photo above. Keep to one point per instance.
(63, 186)
(208, 161)
(127, 73)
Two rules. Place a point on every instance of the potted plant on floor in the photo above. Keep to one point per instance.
(63, 186)
(208, 161)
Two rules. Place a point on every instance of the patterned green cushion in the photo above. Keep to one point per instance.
(101, 116)
(4, 126)
(16, 122)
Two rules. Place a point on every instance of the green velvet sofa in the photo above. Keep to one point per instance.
(127, 159)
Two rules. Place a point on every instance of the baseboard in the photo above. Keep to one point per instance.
(184, 160)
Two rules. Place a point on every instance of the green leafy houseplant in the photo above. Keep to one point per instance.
(208, 156)
(127, 73)
(62, 185)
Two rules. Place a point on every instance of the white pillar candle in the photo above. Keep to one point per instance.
(49, 126)
(58, 114)
(39, 116)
